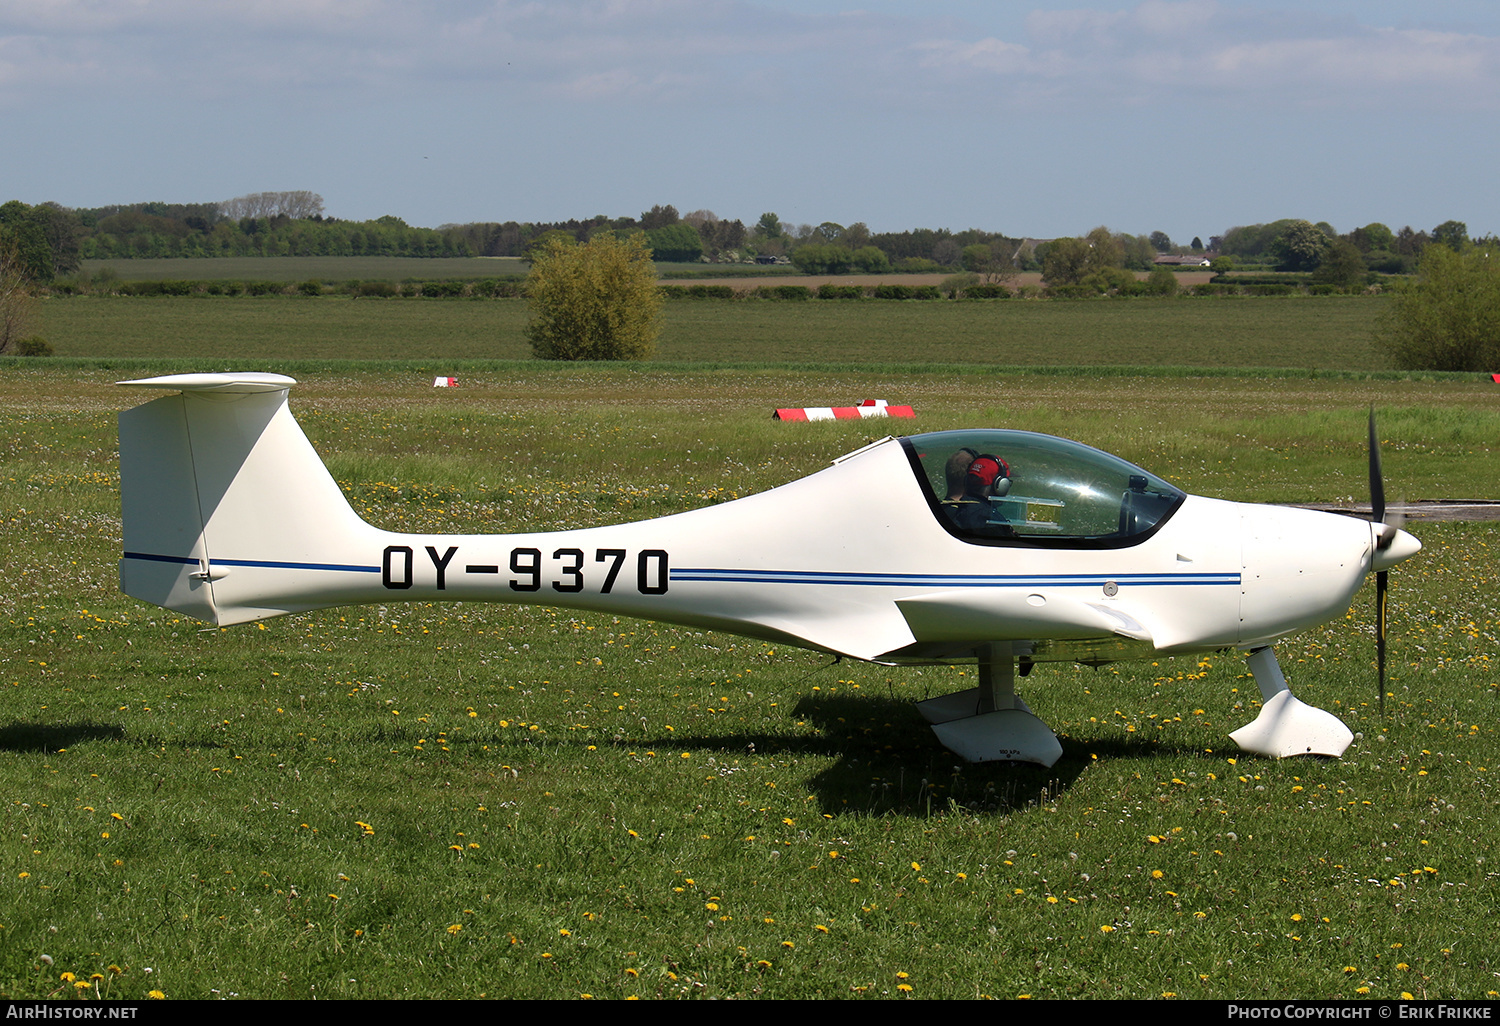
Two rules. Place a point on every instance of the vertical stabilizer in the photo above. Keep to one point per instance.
(225, 504)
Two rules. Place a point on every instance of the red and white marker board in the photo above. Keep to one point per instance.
(868, 408)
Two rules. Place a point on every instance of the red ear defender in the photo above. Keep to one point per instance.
(987, 468)
(984, 470)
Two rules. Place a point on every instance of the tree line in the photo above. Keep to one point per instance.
(51, 240)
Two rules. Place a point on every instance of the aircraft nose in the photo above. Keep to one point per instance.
(1401, 546)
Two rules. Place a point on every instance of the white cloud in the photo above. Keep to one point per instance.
(730, 52)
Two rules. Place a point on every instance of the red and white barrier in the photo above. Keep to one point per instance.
(868, 408)
(444, 382)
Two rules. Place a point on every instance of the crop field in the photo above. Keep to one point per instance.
(468, 800)
(1311, 333)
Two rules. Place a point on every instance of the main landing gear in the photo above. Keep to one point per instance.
(991, 724)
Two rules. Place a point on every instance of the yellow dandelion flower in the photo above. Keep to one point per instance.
(904, 988)
(821, 928)
(1106, 928)
(1296, 917)
(1157, 874)
(788, 945)
(454, 928)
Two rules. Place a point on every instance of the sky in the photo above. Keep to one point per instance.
(1034, 119)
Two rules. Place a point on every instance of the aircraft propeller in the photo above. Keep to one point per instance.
(1389, 530)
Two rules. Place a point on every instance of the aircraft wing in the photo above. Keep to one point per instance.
(1014, 614)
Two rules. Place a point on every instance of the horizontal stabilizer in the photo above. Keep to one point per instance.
(244, 383)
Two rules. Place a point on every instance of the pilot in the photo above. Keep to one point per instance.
(987, 476)
(956, 470)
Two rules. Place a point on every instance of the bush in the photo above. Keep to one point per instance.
(955, 284)
(830, 291)
(697, 292)
(1161, 282)
(595, 301)
(263, 288)
(986, 292)
(441, 289)
(376, 289)
(821, 258)
(892, 291)
(33, 346)
(1450, 318)
(1072, 292)
(919, 265)
(493, 288)
(792, 292)
(311, 287)
(871, 260)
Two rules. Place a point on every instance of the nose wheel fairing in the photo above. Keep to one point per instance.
(1287, 726)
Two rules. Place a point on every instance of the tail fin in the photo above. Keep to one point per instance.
(228, 513)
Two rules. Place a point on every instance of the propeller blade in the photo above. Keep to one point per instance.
(1382, 579)
(1377, 484)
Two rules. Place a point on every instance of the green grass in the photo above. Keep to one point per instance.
(563, 804)
(1308, 333)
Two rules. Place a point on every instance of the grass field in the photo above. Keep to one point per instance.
(466, 800)
(1317, 333)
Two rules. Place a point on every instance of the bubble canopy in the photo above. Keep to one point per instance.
(1050, 491)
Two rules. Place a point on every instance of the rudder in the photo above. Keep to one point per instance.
(228, 512)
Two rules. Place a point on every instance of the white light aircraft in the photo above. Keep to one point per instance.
(1005, 547)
